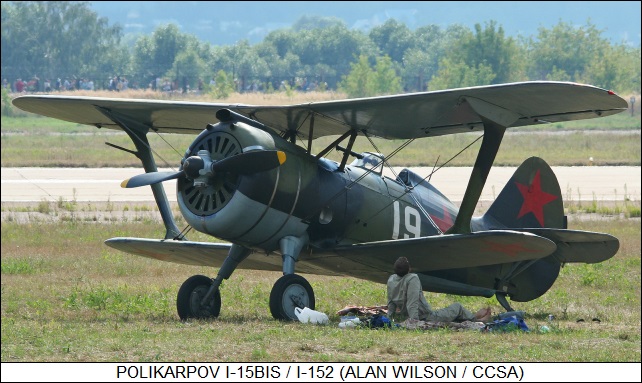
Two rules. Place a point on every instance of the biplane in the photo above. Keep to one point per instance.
(255, 179)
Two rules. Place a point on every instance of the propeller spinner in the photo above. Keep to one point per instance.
(201, 168)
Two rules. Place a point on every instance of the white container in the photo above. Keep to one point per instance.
(350, 323)
(308, 315)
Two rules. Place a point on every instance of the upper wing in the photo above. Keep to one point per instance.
(428, 114)
(404, 116)
(159, 115)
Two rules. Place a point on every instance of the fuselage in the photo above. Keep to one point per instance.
(309, 196)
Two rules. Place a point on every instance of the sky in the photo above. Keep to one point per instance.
(224, 23)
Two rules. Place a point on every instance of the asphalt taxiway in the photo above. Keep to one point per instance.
(585, 183)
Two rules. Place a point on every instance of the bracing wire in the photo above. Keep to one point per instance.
(183, 233)
(168, 144)
(409, 188)
(351, 184)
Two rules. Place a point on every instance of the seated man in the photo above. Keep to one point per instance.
(406, 300)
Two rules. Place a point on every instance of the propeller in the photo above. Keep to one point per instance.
(201, 167)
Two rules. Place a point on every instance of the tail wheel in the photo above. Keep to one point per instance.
(190, 297)
(289, 292)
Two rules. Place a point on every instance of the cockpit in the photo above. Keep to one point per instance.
(369, 161)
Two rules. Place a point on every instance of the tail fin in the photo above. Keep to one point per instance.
(532, 202)
(531, 199)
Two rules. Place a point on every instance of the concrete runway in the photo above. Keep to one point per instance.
(604, 183)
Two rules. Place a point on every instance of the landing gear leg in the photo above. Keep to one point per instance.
(199, 296)
(291, 290)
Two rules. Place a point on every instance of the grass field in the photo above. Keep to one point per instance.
(68, 297)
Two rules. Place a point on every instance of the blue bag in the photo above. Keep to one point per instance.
(379, 321)
(507, 324)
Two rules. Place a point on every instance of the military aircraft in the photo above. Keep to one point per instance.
(255, 180)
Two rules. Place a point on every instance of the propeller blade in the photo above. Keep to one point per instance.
(244, 163)
(250, 162)
(149, 179)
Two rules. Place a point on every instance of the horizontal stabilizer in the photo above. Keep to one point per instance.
(579, 246)
(451, 251)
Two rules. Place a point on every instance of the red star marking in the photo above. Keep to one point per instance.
(510, 249)
(534, 199)
(443, 223)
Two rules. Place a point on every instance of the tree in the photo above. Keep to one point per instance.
(357, 83)
(243, 62)
(420, 62)
(57, 39)
(489, 47)
(565, 47)
(335, 46)
(155, 55)
(188, 68)
(432, 44)
(418, 66)
(362, 81)
(385, 79)
(458, 75)
(223, 86)
(172, 54)
(616, 67)
(282, 40)
(393, 39)
(557, 74)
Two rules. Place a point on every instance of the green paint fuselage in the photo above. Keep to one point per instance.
(334, 207)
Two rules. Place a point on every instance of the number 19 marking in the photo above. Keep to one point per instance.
(412, 222)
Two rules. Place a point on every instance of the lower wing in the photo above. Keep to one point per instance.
(203, 254)
(371, 260)
(374, 260)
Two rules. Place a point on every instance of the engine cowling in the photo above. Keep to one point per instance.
(254, 210)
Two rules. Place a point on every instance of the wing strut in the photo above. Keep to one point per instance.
(495, 120)
(311, 134)
(346, 153)
(137, 132)
(333, 144)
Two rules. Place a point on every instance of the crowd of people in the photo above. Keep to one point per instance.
(121, 83)
(35, 85)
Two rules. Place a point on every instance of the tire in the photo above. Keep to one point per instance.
(290, 291)
(188, 301)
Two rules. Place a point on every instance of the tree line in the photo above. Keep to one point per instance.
(67, 40)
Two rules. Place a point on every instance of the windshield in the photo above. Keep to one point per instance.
(369, 161)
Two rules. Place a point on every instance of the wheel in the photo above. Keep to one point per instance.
(290, 291)
(190, 295)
